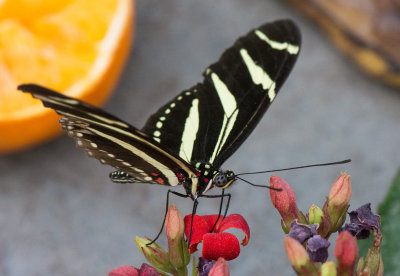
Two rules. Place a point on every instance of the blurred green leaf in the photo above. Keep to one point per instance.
(389, 210)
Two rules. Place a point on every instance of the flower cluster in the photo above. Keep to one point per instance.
(306, 240)
(218, 246)
(307, 236)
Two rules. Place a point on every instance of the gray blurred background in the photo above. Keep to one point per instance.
(60, 215)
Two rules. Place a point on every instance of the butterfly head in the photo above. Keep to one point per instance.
(223, 179)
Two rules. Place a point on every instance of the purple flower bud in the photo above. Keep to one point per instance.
(362, 221)
(356, 230)
(302, 232)
(317, 248)
(365, 217)
(205, 266)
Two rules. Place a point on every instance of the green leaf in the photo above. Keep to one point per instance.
(389, 210)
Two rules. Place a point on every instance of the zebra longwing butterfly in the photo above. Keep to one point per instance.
(186, 141)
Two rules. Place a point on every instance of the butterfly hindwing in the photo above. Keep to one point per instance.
(111, 140)
(209, 121)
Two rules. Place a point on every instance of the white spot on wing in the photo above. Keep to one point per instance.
(258, 75)
(156, 133)
(290, 48)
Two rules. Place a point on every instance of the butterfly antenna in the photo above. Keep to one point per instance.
(260, 186)
(300, 167)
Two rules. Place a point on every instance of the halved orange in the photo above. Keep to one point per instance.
(77, 47)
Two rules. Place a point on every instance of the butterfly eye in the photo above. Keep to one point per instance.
(220, 180)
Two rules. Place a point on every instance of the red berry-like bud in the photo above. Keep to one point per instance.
(177, 248)
(125, 270)
(340, 193)
(298, 257)
(346, 253)
(220, 268)
(284, 200)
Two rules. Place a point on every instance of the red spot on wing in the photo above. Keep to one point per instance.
(160, 180)
(154, 174)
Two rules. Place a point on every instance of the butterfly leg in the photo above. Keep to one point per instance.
(166, 211)
(195, 204)
(222, 195)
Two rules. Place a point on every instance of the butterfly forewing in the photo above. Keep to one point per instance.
(208, 122)
(188, 138)
(111, 140)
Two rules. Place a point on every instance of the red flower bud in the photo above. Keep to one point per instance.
(346, 253)
(174, 225)
(125, 270)
(148, 270)
(177, 248)
(340, 193)
(298, 257)
(284, 201)
(220, 268)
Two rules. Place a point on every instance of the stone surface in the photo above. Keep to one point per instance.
(60, 215)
